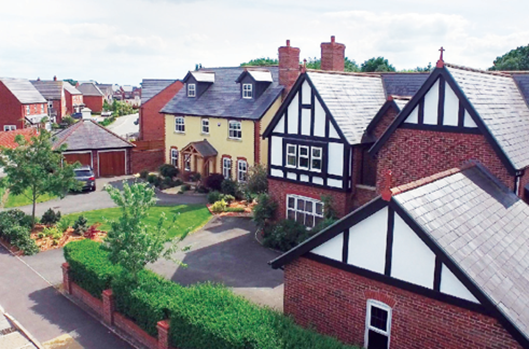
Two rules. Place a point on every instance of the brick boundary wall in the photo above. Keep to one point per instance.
(148, 160)
(105, 309)
(334, 302)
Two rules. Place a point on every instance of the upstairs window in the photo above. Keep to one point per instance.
(378, 325)
(226, 168)
(247, 91)
(316, 163)
(368, 171)
(205, 126)
(235, 130)
(292, 158)
(242, 170)
(9, 127)
(179, 124)
(191, 90)
(303, 157)
(174, 157)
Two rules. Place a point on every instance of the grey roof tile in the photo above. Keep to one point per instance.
(49, 89)
(23, 90)
(489, 241)
(399, 84)
(151, 87)
(90, 89)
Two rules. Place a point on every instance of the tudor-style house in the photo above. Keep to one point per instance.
(318, 139)
(437, 263)
(460, 114)
(22, 105)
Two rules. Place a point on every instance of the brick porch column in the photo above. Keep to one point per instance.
(66, 282)
(163, 334)
(108, 307)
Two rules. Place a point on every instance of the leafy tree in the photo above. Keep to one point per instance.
(259, 62)
(34, 169)
(264, 211)
(426, 69)
(106, 106)
(257, 180)
(131, 243)
(517, 59)
(312, 63)
(378, 64)
(71, 81)
(68, 120)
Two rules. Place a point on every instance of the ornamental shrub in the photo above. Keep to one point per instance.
(168, 171)
(214, 196)
(219, 206)
(214, 181)
(154, 180)
(144, 174)
(228, 198)
(15, 228)
(81, 225)
(50, 217)
(230, 187)
(264, 211)
(285, 235)
(234, 209)
(14, 217)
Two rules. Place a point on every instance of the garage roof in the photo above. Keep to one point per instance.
(88, 135)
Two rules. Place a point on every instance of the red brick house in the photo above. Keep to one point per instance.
(93, 145)
(74, 99)
(317, 143)
(155, 94)
(459, 114)
(92, 96)
(22, 105)
(437, 263)
(62, 98)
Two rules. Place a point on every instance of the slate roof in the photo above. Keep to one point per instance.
(484, 228)
(70, 88)
(49, 89)
(501, 106)
(90, 89)
(86, 134)
(223, 97)
(205, 148)
(7, 138)
(403, 84)
(23, 90)
(106, 89)
(151, 87)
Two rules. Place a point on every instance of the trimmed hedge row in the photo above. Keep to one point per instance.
(202, 316)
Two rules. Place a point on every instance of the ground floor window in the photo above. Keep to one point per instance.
(242, 170)
(174, 157)
(226, 168)
(306, 211)
(378, 325)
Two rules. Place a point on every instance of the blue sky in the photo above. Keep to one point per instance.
(123, 41)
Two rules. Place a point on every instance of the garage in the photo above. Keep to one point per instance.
(112, 163)
(93, 145)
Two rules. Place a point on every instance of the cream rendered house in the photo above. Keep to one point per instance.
(214, 124)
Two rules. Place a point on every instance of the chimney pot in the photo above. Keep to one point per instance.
(288, 43)
(55, 78)
(288, 66)
(332, 55)
(332, 39)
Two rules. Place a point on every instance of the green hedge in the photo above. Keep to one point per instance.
(202, 316)
(89, 266)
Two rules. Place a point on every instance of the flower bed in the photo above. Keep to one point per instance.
(233, 209)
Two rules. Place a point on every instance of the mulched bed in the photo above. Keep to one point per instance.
(247, 213)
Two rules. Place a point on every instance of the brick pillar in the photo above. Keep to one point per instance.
(66, 282)
(108, 307)
(163, 334)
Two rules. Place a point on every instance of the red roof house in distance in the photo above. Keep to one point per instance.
(7, 138)
(62, 98)
(22, 105)
(92, 96)
(155, 94)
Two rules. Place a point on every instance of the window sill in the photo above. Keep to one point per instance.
(204, 134)
(179, 132)
(366, 187)
(235, 139)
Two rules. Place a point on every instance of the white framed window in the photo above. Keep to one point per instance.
(235, 129)
(247, 91)
(28, 110)
(292, 158)
(187, 162)
(205, 126)
(9, 127)
(316, 159)
(378, 325)
(226, 168)
(174, 157)
(303, 159)
(306, 211)
(179, 124)
(242, 170)
(191, 90)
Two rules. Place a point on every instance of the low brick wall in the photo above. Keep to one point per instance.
(106, 309)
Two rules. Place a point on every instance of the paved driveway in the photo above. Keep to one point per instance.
(124, 125)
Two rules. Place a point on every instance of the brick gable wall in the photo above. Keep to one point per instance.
(415, 154)
(151, 121)
(334, 301)
(95, 103)
(11, 112)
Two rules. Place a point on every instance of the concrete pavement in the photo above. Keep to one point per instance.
(44, 312)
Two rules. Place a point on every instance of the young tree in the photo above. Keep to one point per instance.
(33, 169)
(130, 242)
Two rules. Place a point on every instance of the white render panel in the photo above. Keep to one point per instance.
(319, 119)
(332, 131)
(305, 122)
(280, 126)
(293, 114)
(367, 242)
(335, 159)
(469, 122)
(334, 183)
(305, 93)
(317, 180)
(412, 260)
(451, 285)
(276, 173)
(304, 178)
(431, 105)
(291, 175)
(451, 110)
(331, 249)
(276, 149)
(413, 118)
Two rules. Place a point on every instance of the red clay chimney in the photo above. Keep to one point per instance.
(288, 66)
(332, 55)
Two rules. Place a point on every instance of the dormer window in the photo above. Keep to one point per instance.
(191, 90)
(247, 91)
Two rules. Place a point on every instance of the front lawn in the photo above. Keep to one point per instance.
(22, 200)
(189, 217)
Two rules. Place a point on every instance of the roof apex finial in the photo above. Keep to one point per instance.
(441, 62)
